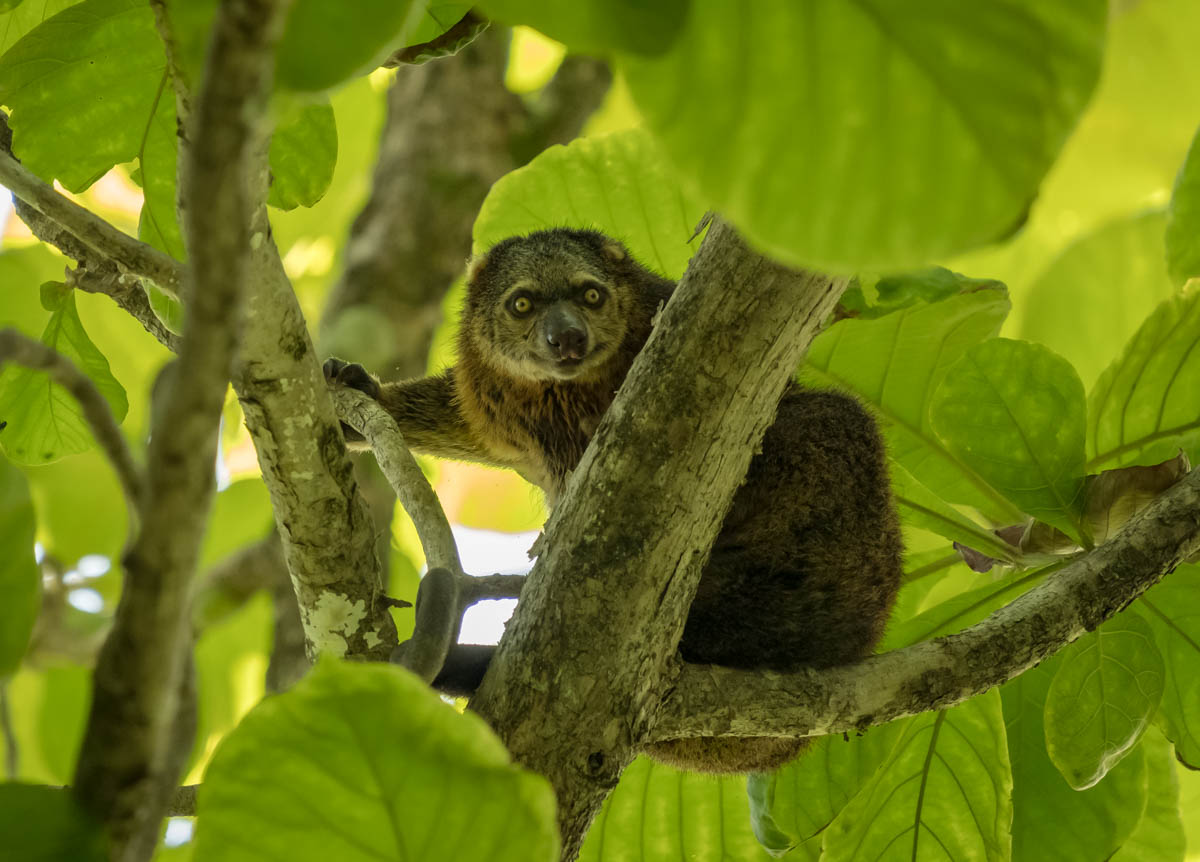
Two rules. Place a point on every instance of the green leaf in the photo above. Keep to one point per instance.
(45, 824)
(657, 813)
(1105, 284)
(794, 805)
(920, 507)
(1051, 821)
(1144, 408)
(963, 610)
(366, 762)
(894, 292)
(870, 134)
(303, 153)
(619, 184)
(81, 87)
(1172, 608)
(25, 16)
(1014, 413)
(436, 18)
(1183, 218)
(47, 708)
(1101, 700)
(231, 659)
(44, 420)
(60, 718)
(894, 363)
(599, 26)
(191, 23)
(20, 581)
(157, 170)
(326, 43)
(1159, 836)
(945, 792)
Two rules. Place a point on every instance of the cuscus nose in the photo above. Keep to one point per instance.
(565, 334)
(569, 343)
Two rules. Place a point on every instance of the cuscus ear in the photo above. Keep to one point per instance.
(475, 267)
(614, 251)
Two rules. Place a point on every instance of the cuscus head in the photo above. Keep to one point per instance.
(552, 305)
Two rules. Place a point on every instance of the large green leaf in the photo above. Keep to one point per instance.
(45, 824)
(793, 806)
(962, 610)
(45, 422)
(1144, 406)
(1014, 413)
(437, 16)
(1101, 700)
(657, 813)
(920, 507)
(1051, 821)
(24, 17)
(47, 708)
(158, 158)
(326, 43)
(894, 363)
(303, 153)
(88, 90)
(231, 659)
(1183, 218)
(619, 184)
(1159, 836)
(945, 792)
(1110, 166)
(366, 762)
(1091, 298)
(1172, 608)
(866, 133)
(82, 87)
(20, 583)
(599, 26)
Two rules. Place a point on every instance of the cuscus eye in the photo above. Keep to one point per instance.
(522, 305)
(593, 296)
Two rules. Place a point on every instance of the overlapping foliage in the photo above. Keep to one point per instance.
(837, 135)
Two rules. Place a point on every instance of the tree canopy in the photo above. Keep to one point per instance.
(983, 220)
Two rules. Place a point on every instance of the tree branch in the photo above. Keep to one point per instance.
(719, 701)
(465, 31)
(445, 142)
(15, 347)
(481, 588)
(438, 614)
(130, 255)
(556, 115)
(637, 520)
(128, 759)
(327, 535)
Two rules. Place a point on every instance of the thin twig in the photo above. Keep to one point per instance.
(485, 587)
(130, 254)
(18, 348)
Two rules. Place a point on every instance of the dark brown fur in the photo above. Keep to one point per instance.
(807, 562)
